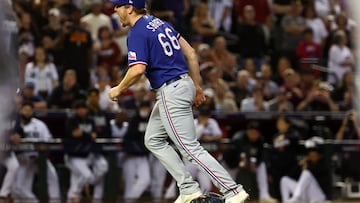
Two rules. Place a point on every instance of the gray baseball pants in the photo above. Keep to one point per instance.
(172, 117)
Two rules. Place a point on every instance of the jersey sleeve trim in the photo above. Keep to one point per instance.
(137, 62)
(178, 36)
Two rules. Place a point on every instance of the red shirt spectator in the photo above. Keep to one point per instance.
(308, 51)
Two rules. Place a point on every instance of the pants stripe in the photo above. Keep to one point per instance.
(185, 148)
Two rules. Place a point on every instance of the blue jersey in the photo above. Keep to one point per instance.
(154, 43)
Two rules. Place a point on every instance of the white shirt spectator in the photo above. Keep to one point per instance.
(105, 103)
(323, 8)
(212, 128)
(93, 22)
(319, 29)
(217, 9)
(248, 105)
(337, 55)
(44, 78)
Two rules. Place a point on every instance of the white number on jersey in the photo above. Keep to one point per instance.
(168, 46)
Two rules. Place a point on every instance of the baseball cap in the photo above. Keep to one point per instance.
(135, 3)
(30, 84)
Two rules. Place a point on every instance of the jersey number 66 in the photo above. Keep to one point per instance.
(164, 41)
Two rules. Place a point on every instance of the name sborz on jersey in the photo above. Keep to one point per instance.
(155, 24)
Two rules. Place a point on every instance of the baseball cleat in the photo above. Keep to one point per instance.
(187, 198)
(238, 198)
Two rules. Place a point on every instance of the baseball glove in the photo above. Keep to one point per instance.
(209, 198)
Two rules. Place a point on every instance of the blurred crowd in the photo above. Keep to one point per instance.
(255, 56)
(280, 55)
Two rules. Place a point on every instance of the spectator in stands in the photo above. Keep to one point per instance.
(93, 21)
(316, 24)
(348, 101)
(281, 103)
(282, 64)
(78, 146)
(42, 72)
(220, 11)
(106, 50)
(293, 25)
(37, 129)
(174, 12)
(64, 95)
(308, 51)
(252, 43)
(27, 24)
(264, 80)
(251, 153)
(308, 81)
(325, 7)
(340, 59)
(292, 86)
(340, 25)
(202, 25)
(261, 9)
(314, 183)
(280, 8)
(103, 85)
(229, 70)
(50, 33)
(220, 52)
(209, 133)
(347, 84)
(26, 51)
(283, 156)
(209, 102)
(28, 94)
(224, 99)
(136, 168)
(256, 103)
(249, 65)
(243, 87)
(319, 99)
(76, 47)
(350, 130)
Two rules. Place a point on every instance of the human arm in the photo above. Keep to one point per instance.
(131, 77)
(194, 70)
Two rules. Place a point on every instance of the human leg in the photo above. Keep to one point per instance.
(52, 182)
(24, 179)
(156, 142)
(80, 175)
(158, 174)
(142, 180)
(307, 189)
(100, 168)
(11, 163)
(177, 118)
(287, 188)
(261, 178)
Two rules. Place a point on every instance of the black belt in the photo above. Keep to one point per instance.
(173, 80)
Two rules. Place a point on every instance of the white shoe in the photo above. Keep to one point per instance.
(238, 198)
(187, 198)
